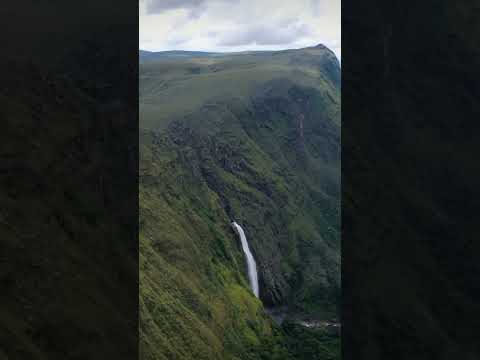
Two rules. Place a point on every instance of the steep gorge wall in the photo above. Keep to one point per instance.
(239, 161)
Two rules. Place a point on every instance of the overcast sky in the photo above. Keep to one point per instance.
(238, 25)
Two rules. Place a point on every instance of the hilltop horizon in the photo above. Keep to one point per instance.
(247, 51)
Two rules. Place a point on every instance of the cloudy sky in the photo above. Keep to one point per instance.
(237, 25)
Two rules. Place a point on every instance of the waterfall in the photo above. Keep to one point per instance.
(252, 266)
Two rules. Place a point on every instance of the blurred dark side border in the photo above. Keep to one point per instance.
(68, 180)
(410, 177)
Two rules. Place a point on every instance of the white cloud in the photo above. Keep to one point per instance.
(265, 35)
(238, 25)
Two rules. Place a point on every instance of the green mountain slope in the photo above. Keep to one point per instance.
(250, 137)
(69, 250)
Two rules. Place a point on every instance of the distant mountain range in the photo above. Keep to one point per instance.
(145, 55)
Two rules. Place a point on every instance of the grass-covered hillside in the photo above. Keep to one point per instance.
(250, 137)
(68, 190)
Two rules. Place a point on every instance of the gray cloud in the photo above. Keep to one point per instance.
(315, 5)
(195, 8)
(266, 35)
(158, 6)
(212, 34)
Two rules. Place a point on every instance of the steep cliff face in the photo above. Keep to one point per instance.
(269, 159)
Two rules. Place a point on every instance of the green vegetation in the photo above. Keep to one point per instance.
(254, 138)
(174, 86)
(69, 255)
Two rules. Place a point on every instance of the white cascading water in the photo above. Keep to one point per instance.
(251, 264)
